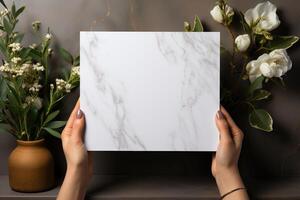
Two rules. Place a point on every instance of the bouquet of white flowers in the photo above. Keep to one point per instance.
(27, 96)
(258, 57)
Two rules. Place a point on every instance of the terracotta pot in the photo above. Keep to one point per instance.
(31, 167)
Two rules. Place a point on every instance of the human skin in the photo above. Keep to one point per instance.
(225, 161)
(79, 161)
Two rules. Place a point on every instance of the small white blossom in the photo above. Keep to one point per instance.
(38, 67)
(51, 86)
(50, 51)
(36, 25)
(15, 60)
(68, 87)
(48, 36)
(33, 46)
(3, 12)
(242, 42)
(15, 47)
(63, 86)
(35, 87)
(75, 71)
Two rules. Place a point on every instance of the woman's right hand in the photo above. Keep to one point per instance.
(225, 161)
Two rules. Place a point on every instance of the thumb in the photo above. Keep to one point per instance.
(223, 127)
(78, 126)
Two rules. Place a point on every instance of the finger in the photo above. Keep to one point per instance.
(236, 132)
(73, 115)
(78, 126)
(222, 126)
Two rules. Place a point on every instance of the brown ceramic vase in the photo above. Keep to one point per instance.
(31, 167)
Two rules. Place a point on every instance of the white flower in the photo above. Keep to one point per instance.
(242, 42)
(37, 103)
(15, 47)
(62, 85)
(36, 25)
(263, 17)
(48, 36)
(35, 87)
(68, 87)
(15, 60)
(50, 51)
(217, 13)
(38, 67)
(51, 86)
(274, 64)
(33, 46)
(75, 71)
(3, 12)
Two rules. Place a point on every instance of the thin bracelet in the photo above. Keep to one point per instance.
(234, 190)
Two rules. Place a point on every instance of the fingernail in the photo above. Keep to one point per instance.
(220, 115)
(79, 114)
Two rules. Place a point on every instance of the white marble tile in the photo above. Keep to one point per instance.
(150, 91)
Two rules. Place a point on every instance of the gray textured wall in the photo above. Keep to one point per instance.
(272, 154)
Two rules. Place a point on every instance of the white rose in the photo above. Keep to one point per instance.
(263, 17)
(242, 42)
(274, 64)
(217, 15)
(48, 36)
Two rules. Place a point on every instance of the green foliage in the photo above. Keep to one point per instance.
(67, 56)
(261, 119)
(255, 85)
(52, 132)
(28, 97)
(238, 90)
(281, 42)
(260, 95)
(197, 27)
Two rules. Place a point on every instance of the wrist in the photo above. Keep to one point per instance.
(78, 174)
(228, 179)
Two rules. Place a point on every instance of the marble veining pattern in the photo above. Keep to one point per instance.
(150, 91)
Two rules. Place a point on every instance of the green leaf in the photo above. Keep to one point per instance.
(52, 132)
(35, 54)
(3, 4)
(76, 61)
(3, 89)
(246, 27)
(66, 55)
(19, 37)
(198, 27)
(281, 42)
(7, 26)
(51, 116)
(19, 11)
(260, 95)
(4, 127)
(56, 124)
(255, 85)
(13, 9)
(261, 119)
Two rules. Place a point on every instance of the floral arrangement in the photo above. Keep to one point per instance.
(29, 92)
(258, 57)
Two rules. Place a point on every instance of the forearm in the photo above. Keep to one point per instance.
(74, 185)
(228, 180)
